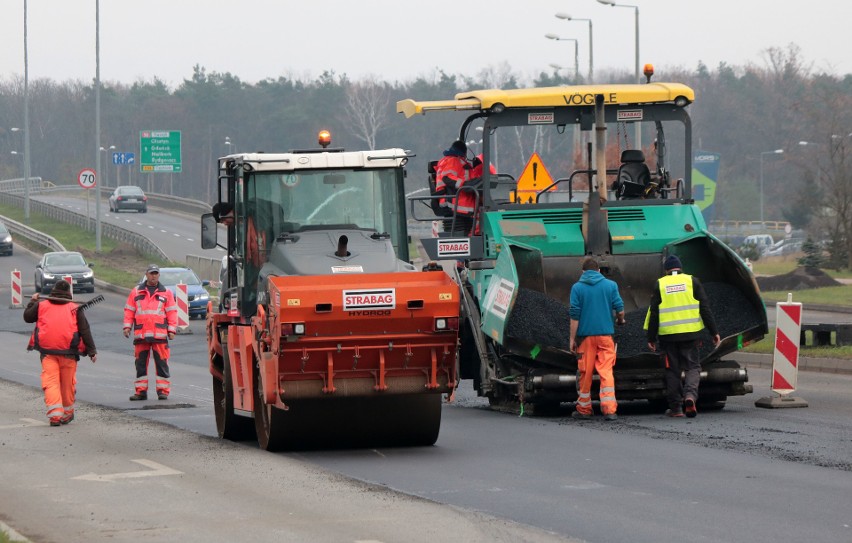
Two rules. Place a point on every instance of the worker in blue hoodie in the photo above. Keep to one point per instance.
(594, 298)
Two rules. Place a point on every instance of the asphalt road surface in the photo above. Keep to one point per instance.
(740, 474)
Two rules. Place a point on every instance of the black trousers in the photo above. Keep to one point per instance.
(681, 357)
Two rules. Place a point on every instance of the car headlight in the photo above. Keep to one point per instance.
(48, 275)
(7, 239)
(203, 296)
(88, 275)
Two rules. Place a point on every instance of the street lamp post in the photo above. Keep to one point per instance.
(576, 53)
(636, 9)
(775, 152)
(636, 73)
(26, 123)
(106, 164)
(97, 125)
(568, 17)
(17, 154)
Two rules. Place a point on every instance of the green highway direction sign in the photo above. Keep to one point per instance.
(159, 151)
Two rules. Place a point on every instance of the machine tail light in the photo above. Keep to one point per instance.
(293, 329)
(446, 324)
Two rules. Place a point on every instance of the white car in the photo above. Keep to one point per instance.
(785, 247)
(763, 242)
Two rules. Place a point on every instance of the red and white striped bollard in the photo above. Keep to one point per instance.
(785, 360)
(16, 290)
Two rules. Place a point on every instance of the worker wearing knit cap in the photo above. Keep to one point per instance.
(61, 336)
(678, 315)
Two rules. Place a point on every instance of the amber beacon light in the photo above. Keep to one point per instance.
(324, 138)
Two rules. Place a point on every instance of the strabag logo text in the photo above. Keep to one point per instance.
(451, 248)
(377, 298)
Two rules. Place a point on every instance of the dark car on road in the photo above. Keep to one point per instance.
(5, 240)
(128, 197)
(61, 264)
(196, 295)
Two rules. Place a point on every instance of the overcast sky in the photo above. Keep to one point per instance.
(403, 39)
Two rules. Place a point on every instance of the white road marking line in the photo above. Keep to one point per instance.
(27, 424)
(155, 471)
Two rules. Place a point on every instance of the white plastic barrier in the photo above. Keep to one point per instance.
(17, 291)
(183, 308)
(785, 360)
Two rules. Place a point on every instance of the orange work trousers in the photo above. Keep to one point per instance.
(160, 352)
(597, 353)
(59, 382)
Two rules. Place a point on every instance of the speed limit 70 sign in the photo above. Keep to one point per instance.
(87, 178)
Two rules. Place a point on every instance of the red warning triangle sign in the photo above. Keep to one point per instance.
(533, 179)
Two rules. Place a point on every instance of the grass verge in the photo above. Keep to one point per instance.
(767, 346)
(117, 263)
(839, 296)
(778, 265)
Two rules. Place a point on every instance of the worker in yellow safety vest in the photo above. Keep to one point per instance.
(678, 316)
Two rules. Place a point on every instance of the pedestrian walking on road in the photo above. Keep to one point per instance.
(678, 315)
(594, 298)
(61, 335)
(151, 313)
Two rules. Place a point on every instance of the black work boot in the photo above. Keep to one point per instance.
(139, 396)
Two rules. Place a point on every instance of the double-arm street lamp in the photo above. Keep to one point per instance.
(567, 17)
(636, 8)
(636, 72)
(762, 154)
(107, 159)
(21, 155)
(17, 153)
(576, 52)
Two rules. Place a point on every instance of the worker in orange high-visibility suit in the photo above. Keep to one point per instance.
(450, 175)
(61, 335)
(594, 298)
(475, 176)
(151, 313)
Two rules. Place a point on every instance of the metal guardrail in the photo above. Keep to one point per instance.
(17, 186)
(67, 216)
(751, 226)
(25, 231)
(205, 267)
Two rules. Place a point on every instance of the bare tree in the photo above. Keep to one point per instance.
(367, 112)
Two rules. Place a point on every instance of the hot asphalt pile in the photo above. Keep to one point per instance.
(535, 318)
(541, 320)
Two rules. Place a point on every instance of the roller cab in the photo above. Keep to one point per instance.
(325, 335)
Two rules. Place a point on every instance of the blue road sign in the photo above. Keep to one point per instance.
(123, 158)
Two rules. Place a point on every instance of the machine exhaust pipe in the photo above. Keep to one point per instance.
(554, 381)
(595, 225)
(342, 244)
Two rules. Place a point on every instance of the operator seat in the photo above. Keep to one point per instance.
(634, 177)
